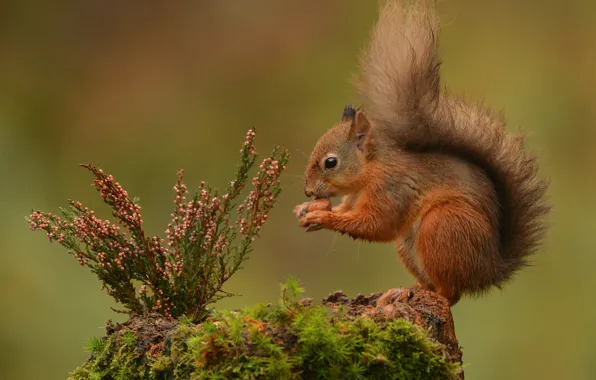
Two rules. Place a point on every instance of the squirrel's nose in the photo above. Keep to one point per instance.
(308, 193)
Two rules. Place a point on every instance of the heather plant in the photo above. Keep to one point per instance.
(209, 237)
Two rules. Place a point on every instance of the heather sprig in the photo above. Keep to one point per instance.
(208, 238)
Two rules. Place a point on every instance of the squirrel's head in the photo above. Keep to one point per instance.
(336, 162)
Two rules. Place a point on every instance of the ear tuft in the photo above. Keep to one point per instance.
(349, 113)
(360, 131)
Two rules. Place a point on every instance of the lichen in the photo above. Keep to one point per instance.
(290, 340)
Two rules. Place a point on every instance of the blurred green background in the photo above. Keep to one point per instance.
(141, 89)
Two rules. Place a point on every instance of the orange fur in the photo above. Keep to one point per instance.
(441, 178)
(461, 259)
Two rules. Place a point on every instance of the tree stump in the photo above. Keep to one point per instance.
(341, 338)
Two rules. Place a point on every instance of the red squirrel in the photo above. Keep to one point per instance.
(418, 166)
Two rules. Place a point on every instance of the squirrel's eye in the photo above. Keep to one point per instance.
(330, 163)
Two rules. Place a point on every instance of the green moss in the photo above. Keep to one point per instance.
(94, 345)
(285, 341)
(114, 358)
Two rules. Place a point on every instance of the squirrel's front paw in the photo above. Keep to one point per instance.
(301, 210)
(317, 217)
(316, 204)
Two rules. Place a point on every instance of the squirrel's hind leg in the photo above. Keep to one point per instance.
(456, 245)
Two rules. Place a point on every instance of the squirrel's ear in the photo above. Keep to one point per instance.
(360, 132)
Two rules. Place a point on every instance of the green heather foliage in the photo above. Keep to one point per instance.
(284, 341)
(203, 246)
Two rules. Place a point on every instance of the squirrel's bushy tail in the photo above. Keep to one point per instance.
(399, 71)
(399, 86)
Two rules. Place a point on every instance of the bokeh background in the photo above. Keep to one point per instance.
(144, 88)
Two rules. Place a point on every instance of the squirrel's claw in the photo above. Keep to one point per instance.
(314, 227)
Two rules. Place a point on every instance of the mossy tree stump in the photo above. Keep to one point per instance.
(343, 338)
